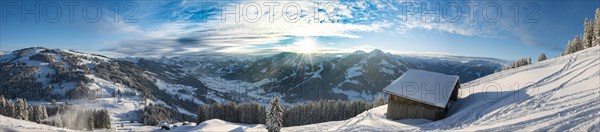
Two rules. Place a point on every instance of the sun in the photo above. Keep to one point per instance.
(306, 45)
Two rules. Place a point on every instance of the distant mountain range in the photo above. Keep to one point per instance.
(468, 68)
(300, 77)
(46, 74)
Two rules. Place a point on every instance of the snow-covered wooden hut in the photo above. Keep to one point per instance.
(421, 95)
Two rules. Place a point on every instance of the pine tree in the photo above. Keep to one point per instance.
(506, 67)
(201, 115)
(3, 106)
(44, 112)
(57, 120)
(40, 113)
(588, 34)
(567, 49)
(262, 115)
(379, 101)
(230, 112)
(21, 110)
(542, 57)
(78, 120)
(10, 108)
(577, 44)
(597, 28)
(105, 117)
(90, 120)
(574, 45)
(249, 112)
(101, 119)
(274, 116)
(66, 121)
(32, 113)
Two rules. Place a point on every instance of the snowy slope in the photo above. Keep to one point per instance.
(11, 124)
(557, 95)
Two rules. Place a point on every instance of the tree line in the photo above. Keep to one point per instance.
(524, 61)
(518, 63)
(154, 114)
(277, 116)
(248, 113)
(590, 38)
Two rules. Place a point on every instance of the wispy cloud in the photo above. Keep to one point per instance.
(199, 27)
(190, 35)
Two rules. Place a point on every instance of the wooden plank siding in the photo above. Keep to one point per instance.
(402, 108)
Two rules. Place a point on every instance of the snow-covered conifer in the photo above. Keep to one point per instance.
(596, 26)
(274, 116)
(21, 111)
(105, 117)
(90, 120)
(3, 106)
(588, 34)
(201, 115)
(40, 113)
(379, 101)
(57, 120)
(10, 108)
(32, 113)
(542, 57)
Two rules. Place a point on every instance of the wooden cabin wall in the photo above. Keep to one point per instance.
(454, 95)
(402, 108)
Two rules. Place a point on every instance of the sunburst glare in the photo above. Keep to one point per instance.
(306, 45)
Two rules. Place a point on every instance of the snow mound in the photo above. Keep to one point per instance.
(371, 120)
(215, 125)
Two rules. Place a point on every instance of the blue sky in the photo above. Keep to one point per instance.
(166, 28)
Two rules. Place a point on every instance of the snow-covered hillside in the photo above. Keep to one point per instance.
(8, 124)
(557, 95)
(89, 81)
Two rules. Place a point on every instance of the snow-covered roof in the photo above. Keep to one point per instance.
(424, 86)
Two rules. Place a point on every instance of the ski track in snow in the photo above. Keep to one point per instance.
(545, 109)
